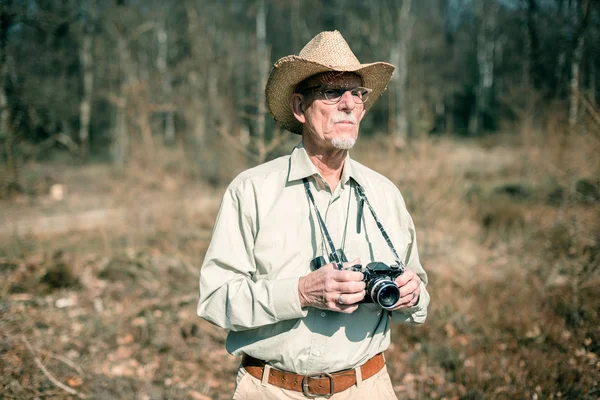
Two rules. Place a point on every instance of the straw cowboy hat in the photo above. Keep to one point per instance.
(328, 51)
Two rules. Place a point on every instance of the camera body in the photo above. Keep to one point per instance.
(378, 277)
(380, 287)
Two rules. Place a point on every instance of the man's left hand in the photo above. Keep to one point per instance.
(409, 284)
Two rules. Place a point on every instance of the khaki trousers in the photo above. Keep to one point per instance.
(377, 387)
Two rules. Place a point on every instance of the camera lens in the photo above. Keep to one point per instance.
(386, 294)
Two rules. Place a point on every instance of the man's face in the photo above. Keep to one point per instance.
(331, 126)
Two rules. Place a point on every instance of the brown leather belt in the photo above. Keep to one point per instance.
(321, 384)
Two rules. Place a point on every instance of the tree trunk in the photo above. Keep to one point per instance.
(13, 181)
(565, 19)
(198, 112)
(161, 64)
(262, 61)
(534, 67)
(4, 110)
(593, 83)
(399, 57)
(574, 86)
(450, 107)
(580, 18)
(486, 48)
(120, 143)
(86, 59)
(387, 31)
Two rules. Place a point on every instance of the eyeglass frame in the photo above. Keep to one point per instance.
(320, 89)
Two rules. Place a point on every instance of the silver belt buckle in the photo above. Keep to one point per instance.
(319, 375)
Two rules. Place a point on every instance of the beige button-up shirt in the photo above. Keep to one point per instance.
(266, 235)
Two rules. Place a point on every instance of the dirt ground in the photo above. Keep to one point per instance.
(98, 279)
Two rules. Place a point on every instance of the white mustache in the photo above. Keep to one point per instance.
(344, 118)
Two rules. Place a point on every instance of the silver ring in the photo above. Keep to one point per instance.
(340, 299)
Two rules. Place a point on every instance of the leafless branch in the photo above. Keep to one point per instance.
(64, 360)
(47, 373)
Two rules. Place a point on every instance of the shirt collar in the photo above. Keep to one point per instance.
(302, 167)
(300, 164)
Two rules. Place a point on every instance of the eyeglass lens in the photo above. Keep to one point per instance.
(359, 94)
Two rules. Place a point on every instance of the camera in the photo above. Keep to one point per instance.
(378, 277)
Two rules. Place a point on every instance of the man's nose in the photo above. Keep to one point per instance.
(347, 102)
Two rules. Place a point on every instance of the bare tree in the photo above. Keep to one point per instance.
(163, 70)
(580, 21)
(5, 19)
(6, 132)
(486, 12)
(399, 57)
(532, 58)
(197, 112)
(86, 60)
(397, 24)
(593, 90)
(262, 61)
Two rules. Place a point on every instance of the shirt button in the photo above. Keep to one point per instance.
(323, 314)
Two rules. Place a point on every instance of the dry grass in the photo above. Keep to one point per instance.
(510, 243)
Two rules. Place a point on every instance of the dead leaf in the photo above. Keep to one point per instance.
(74, 381)
(125, 339)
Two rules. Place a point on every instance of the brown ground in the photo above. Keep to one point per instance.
(98, 290)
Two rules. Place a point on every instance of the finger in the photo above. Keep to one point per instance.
(335, 285)
(407, 276)
(350, 287)
(352, 263)
(409, 287)
(329, 267)
(410, 284)
(346, 276)
(408, 300)
(335, 300)
(347, 309)
(352, 298)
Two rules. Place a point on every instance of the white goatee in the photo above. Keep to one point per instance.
(343, 143)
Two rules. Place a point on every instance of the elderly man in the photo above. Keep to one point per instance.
(306, 321)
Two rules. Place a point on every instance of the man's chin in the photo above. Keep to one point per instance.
(343, 143)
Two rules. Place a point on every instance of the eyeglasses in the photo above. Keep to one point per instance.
(333, 94)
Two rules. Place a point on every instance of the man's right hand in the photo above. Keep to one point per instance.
(324, 288)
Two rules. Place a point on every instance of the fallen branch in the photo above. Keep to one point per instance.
(65, 360)
(52, 379)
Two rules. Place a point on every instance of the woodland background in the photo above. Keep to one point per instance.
(122, 121)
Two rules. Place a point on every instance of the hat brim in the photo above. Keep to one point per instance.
(291, 70)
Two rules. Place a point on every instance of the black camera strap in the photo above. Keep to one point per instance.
(364, 199)
(322, 225)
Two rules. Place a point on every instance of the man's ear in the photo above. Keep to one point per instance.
(296, 105)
